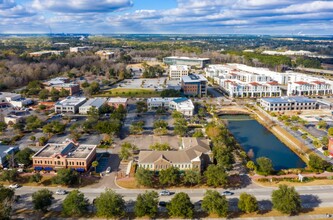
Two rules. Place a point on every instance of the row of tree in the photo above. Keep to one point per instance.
(112, 205)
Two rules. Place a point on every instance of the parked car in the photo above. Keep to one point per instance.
(165, 193)
(14, 186)
(227, 193)
(61, 192)
(108, 170)
(162, 204)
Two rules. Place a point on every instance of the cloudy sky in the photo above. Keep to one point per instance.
(167, 16)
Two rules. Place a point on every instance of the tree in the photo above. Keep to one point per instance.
(169, 176)
(33, 122)
(216, 176)
(75, 131)
(105, 109)
(94, 164)
(177, 114)
(317, 163)
(6, 201)
(198, 133)
(265, 165)
(43, 94)
(63, 92)
(126, 150)
(54, 127)
(322, 125)
(251, 165)
(180, 127)
(111, 127)
(286, 200)
(192, 177)
(330, 131)
(180, 206)
(3, 126)
(160, 124)
(66, 177)
(160, 147)
(24, 156)
(9, 175)
(146, 204)
(93, 114)
(42, 199)
(144, 177)
(214, 203)
(137, 127)
(170, 93)
(75, 204)
(110, 205)
(141, 107)
(35, 178)
(247, 203)
(223, 156)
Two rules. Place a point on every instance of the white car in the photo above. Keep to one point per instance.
(61, 192)
(165, 193)
(14, 186)
(108, 170)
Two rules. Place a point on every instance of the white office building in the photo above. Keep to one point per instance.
(181, 104)
(70, 104)
(96, 102)
(288, 103)
(78, 49)
(176, 72)
(13, 99)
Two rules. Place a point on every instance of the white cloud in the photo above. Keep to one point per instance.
(81, 6)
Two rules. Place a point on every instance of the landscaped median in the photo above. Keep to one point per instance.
(128, 92)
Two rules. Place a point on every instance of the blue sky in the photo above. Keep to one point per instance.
(167, 16)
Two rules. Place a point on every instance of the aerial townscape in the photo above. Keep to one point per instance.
(177, 109)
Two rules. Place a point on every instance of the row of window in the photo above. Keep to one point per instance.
(181, 166)
(71, 163)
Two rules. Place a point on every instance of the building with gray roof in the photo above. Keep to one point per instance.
(96, 102)
(288, 103)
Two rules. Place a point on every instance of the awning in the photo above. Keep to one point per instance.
(80, 169)
(38, 168)
(48, 168)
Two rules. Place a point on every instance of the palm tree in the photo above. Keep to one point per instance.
(94, 164)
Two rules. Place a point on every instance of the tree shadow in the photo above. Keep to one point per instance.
(309, 202)
(264, 206)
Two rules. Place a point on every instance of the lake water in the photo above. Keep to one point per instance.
(254, 137)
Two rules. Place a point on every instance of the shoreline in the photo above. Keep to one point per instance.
(276, 131)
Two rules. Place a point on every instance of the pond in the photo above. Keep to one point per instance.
(258, 141)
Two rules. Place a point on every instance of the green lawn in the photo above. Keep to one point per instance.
(124, 92)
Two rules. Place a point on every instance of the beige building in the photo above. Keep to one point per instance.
(66, 155)
(176, 72)
(105, 54)
(116, 102)
(194, 153)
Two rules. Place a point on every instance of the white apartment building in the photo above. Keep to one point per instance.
(240, 83)
(303, 84)
(288, 103)
(96, 102)
(70, 104)
(176, 72)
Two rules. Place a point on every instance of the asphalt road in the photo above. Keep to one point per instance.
(311, 196)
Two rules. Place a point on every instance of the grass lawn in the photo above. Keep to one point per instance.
(312, 183)
(126, 92)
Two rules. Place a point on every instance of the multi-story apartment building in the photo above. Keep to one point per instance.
(288, 103)
(66, 155)
(70, 104)
(190, 61)
(194, 85)
(176, 72)
(96, 102)
(241, 76)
